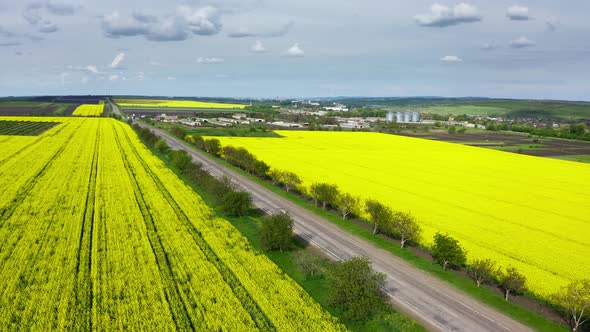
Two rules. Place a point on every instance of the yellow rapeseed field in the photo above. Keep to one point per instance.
(97, 233)
(529, 212)
(89, 110)
(160, 103)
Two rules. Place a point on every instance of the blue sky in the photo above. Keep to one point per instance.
(261, 48)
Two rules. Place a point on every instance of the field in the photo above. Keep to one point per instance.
(174, 104)
(26, 107)
(514, 142)
(124, 244)
(89, 110)
(528, 212)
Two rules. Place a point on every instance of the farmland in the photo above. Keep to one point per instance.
(89, 110)
(124, 244)
(523, 211)
(174, 104)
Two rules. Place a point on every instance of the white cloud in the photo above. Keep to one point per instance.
(35, 14)
(180, 25)
(118, 60)
(155, 63)
(258, 47)
(210, 61)
(489, 46)
(451, 58)
(242, 31)
(518, 13)
(84, 80)
(443, 16)
(522, 42)
(140, 76)
(114, 77)
(295, 51)
(171, 78)
(91, 69)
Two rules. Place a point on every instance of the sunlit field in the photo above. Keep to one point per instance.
(156, 103)
(529, 212)
(89, 110)
(97, 233)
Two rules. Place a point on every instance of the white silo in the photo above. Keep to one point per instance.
(407, 117)
(399, 117)
(389, 117)
(415, 117)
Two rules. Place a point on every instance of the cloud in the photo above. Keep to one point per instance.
(140, 76)
(489, 46)
(295, 51)
(522, 42)
(451, 58)
(258, 47)
(551, 25)
(9, 43)
(243, 32)
(61, 9)
(118, 60)
(33, 37)
(5, 33)
(180, 25)
(33, 14)
(91, 69)
(443, 16)
(518, 13)
(210, 61)
(171, 78)
(114, 77)
(155, 63)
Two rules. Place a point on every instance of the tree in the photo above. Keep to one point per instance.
(290, 180)
(347, 204)
(324, 193)
(275, 175)
(452, 130)
(178, 132)
(355, 288)
(380, 215)
(482, 271)
(212, 146)
(308, 262)
(513, 282)
(161, 146)
(578, 129)
(180, 159)
(447, 251)
(236, 203)
(405, 225)
(575, 299)
(276, 232)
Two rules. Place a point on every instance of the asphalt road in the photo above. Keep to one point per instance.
(430, 301)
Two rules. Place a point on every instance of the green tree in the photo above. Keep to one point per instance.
(324, 193)
(575, 300)
(311, 264)
(290, 180)
(275, 175)
(482, 271)
(276, 232)
(161, 146)
(355, 288)
(405, 225)
(212, 146)
(452, 130)
(447, 251)
(380, 215)
(513, 282)
(348, 204)
(236, 203)
(180, 159)
(578, 129)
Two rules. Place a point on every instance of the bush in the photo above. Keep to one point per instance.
(236, 203)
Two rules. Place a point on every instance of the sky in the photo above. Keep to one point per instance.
(292, 49)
